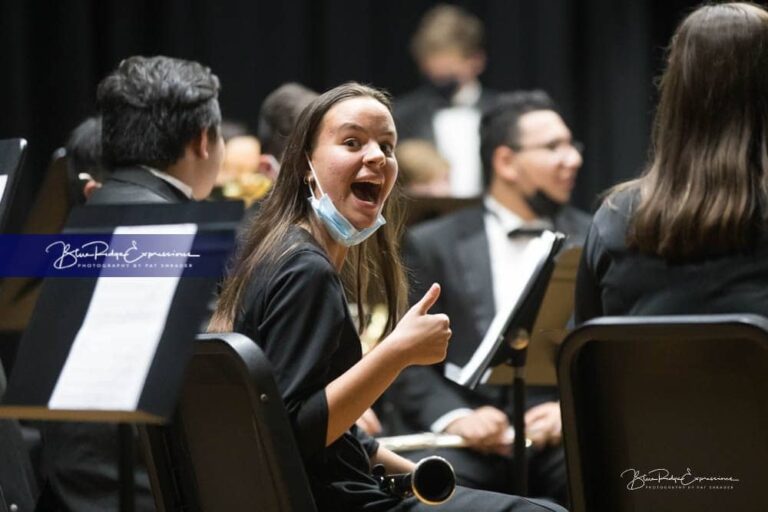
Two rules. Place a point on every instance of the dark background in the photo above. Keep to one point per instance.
(597, 58)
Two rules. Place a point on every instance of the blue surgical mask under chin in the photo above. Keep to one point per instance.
(337, 225)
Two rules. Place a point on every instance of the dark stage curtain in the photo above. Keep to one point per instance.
(597, 58)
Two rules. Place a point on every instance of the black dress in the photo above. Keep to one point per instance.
(296, 311)
(615, 280)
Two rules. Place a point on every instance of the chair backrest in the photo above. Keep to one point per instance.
(230, 446)
(666, 413)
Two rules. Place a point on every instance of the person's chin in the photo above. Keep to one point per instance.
(361, 221)
(361, 225)
(363, 214)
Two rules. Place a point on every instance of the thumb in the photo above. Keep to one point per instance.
(428, 300)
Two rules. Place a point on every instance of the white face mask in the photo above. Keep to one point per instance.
(337, 225)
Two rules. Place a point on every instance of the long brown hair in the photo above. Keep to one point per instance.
(374, 261)
(705, 188)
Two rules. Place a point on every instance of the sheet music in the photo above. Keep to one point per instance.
(3, 181)
(114, 348)
(533, 260)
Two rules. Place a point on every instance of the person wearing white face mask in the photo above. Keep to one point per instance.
(286, 293)
(445, 111)
(337, 225)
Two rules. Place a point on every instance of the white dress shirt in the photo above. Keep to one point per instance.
(504, 253)
(171, 180)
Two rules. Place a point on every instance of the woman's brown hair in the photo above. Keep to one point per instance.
(376, 260)
(704, 190)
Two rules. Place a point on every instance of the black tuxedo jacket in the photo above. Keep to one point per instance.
(136, 185)
(414, 111)
(453, 251)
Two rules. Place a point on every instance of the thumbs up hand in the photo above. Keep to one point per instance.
(423, 338)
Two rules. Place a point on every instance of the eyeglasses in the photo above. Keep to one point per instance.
(556, 146)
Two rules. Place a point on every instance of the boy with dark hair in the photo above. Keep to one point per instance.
(161, 132)
(530, 163)
(161, 140)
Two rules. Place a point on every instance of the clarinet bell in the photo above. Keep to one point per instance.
(432, 481)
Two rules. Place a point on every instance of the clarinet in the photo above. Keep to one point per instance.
(432, 481)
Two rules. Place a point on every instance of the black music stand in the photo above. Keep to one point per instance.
(11, 157)
(506, 342)
(53, 378)
(16, 478)
(551, 325)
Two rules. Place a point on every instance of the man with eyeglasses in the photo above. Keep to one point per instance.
(530, 163)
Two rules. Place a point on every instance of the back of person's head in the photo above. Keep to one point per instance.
(84, 149)
(499, 124)
(85, 169)
(447, 28)
(152, 107)
(705, 189)
(278, 115)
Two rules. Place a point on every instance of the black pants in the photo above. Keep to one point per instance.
(472, 500)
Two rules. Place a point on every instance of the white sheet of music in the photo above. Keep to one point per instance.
(116, 344)
(3, 181)
(534, 257)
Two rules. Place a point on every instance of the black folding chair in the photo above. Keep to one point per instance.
(666, 413)
(230, 446)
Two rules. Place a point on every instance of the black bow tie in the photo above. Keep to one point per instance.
(525, 232)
